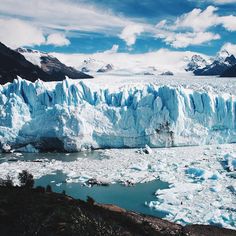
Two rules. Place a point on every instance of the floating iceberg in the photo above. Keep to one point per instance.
(73, 115)
(231, 162)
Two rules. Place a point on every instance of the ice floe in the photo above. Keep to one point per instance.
(202, 185)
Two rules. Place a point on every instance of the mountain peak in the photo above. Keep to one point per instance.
(26, 50)
(222, 55)
(196, 62)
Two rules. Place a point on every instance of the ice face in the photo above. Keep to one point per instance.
(72, 115)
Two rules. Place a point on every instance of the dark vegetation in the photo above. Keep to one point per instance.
(28, 211)
(26, 179)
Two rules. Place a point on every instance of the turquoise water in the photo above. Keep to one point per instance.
(68, 157)
(131, 198)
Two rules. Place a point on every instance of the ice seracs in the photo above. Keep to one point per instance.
(72, 116)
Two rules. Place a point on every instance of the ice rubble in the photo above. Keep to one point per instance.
(73, 115)
(202, 189)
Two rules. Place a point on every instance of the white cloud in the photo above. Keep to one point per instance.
(130, 33)
(231, 48)
(224, 1)
(57, 39)
(71, 16)
(114, 49)
(229, 22)
(197, 19)
(15, 33)
(192, 28)
(47, 19)
(201, 20)
(181, 40)
(64, 15)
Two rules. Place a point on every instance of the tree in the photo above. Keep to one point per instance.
(26, 179)
(48, 189)
(6, 182)
(90, 200)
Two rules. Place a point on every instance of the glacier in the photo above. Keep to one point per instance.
(76, 115)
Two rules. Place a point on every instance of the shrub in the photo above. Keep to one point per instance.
(40, 189)
(26, 179)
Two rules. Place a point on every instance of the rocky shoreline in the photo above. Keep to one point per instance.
(40, 212)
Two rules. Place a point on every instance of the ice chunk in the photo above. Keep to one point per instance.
(205, 195)
(199, 173)
(231, 162)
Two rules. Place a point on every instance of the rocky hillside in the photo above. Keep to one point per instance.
(231, 72)
(51, 65)
(36, 212)
(13, 64)
(221, 63)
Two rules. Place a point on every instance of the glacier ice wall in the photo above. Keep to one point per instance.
(70, 116)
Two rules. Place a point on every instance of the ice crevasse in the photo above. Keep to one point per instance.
(71, 116)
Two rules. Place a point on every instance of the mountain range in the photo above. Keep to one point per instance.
(13, 64)
(32, 65)
(222, 65)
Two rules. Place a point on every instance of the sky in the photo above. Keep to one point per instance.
(127, 26)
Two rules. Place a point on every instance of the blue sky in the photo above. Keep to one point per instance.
(89, 26)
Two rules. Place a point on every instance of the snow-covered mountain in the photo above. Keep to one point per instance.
(13, 64)
(150, 63)
(168, 73)
(223, 61)
(92, 65)
(195, 63)
(106, 68)
(230, 72)
(51, 65)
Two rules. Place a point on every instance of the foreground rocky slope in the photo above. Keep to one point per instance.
(35, 212)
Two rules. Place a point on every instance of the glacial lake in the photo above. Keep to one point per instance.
(129, 197)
